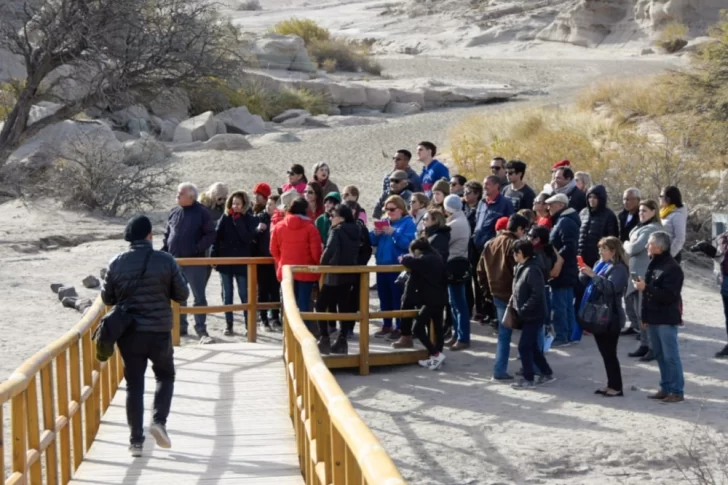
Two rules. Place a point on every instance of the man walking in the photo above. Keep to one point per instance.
(190, 232)
(520, 194)
(401, 162)
(433, 169)
(629, 216)
(146, 280)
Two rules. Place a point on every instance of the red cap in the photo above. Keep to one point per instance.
(262, 189)
(501, 224)
(561, 164)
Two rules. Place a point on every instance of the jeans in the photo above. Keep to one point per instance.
(667, 353)
(562, 305)
(460, 312)
(136, 348)
(390, 296)
(607, 345)
(576, 330)
(433, 313)
(633, 308)
(197, 279)
(503, 351)
(303, 291)
(334, 298)
(228, 293)
(269, 290)
(531, 352)
(724, 294)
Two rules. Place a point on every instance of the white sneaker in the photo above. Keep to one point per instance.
(434, 362)
(160, 435)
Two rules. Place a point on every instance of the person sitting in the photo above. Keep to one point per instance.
(321, 174)
(296, 179)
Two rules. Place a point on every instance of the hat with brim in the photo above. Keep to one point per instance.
(558, 199)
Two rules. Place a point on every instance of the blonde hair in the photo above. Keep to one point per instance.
(584, 178)
(397, 201)
(615, 245)
(218, 190)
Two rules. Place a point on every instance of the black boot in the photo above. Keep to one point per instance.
(229, 329)
(324, 345)
(340, 346)
(640, 352)
(723, 353)
(648, 357)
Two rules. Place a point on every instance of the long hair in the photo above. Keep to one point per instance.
(437, 217)
(615, 245)
(319, 191)
(238, 193)
(652, 205)
(209, 198)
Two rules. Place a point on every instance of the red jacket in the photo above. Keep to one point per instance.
(296, 241)
(277, 217)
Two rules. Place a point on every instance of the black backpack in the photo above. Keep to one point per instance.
(365, 245)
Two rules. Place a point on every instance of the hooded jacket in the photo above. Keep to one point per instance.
(296, 241)
(391, 247)
(529, 292)
(636, 249)
(565, 239)
(596, 223)
(234, 238)
(439, 238)
(427, 283)
(342, 249)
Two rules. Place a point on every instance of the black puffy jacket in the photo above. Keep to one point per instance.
(342, 249)
(439, 238)
(234, 239)
(261, 245)
(565, 239)
(427, 282)
(595, 224)
(149, 304)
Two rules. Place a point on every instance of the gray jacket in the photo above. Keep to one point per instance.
(675, 224)
(459, 235)
(636, 249)
(150, 302)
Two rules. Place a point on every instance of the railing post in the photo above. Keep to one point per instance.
(76, 397)
(175, 324)
(364, 324)
(2, 447)
(253, 302)
(49, 422)
(88, 381)
(64, 437)
(31, 401)
(20, 436)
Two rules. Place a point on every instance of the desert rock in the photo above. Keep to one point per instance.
(200, 128)
(66, 291)
(241, 121)
(287, 52)
(91, 282)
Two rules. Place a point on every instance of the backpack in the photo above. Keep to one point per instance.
(365, 245)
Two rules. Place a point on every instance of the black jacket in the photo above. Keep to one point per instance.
(427, 283)
(661, 299)
(595, 224)
(565, 239)
(365, 244)
(439, 238)
(342, 249)
(545, 258)
(577, 199)
(150, 302)
(529, 292)
(261, 245)
(190, 231)
(624, 227)
(234, 239)
(611, 285)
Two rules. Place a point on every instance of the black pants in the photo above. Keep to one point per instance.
(269, 290)
(334, 299)
(531, 352)
(427, 314)
(607, 344)
(136, 348)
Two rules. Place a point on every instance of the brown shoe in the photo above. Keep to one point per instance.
(403, 343)
(459, 346)
(451, 342)
(657, 396)
(383, 332)
(673, 398)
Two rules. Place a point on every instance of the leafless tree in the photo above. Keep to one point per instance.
(107, 51)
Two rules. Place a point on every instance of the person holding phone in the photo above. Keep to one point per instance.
(392, 237)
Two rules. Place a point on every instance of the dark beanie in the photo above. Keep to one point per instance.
(137, 228)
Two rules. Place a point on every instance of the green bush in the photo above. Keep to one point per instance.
(349, 55)
(268, 102)
(306, 29)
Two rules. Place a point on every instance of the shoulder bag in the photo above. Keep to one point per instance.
(458, 270)
(595, 315)
(510, 318)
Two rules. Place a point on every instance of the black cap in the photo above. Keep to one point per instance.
(137, 228)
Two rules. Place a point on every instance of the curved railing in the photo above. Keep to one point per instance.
(334, 444)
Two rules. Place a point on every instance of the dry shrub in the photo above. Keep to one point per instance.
(624, 100)
(9, 92)
(306, 29)
(329, 65)
(673, 37)
(349, 55)
(268, 101)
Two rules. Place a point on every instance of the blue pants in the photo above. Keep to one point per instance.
(390, 295)
(303, 290)
(665, 347)
(503, 351)
(460, 311)
(228, 293)
(562, 304)
(197, 279)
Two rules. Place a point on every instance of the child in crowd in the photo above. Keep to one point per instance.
(351, 193)
(268, 286)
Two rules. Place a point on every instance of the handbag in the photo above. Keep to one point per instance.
(458, 270)
(510, 317)
(116, 322)
(595, 316)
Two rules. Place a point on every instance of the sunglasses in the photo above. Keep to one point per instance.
(391, 209)
(394, 181)
(495, 169)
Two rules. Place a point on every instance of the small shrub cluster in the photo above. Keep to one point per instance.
(267, 102)
(673, 37)
(8, 95)
(306, 29)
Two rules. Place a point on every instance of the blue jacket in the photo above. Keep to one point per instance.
(390, 248)
(486, 215)
(190, 231)
(565, 240)
(435, 171)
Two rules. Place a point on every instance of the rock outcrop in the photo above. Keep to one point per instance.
(286, 52)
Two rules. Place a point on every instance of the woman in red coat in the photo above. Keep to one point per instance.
(296, 241)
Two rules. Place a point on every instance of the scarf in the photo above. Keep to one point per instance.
(600, 269)
(235, 215)
(566, 188)
(667, 210)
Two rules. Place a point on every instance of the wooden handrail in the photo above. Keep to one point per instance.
(334, 445)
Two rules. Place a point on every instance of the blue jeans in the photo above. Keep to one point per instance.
(460, 311)
(665, 347)
(503, 351)
(197, 279)
(562, 304)
(303, 290)
(228, 293)
(390, 296)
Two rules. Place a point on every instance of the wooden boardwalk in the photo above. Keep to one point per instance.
(229, 424)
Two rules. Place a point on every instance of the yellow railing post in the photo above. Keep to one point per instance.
(175, 324)
(49, 422)
(2, 446)
(20, 436)
(253, 302)
(88, 383)
(76, 399)
(65, 438)
(31, 401)
(364, 324)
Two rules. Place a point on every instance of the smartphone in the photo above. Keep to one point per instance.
(580, 261)
(635, 276)
(381, 224)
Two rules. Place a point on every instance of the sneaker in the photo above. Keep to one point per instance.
(383, 332)
(395, 335)
(403, 343)
(478, 317)
(722, 354)
(136, 450)
(276, 323)
(519, 373)
(159, 432)
(559, 343)
(434, 362)
(658, 396)
(672, 399)
(206, 340)
(504, 377)
(340, 346)
(545, 380)
(324, 345)
(523, 384)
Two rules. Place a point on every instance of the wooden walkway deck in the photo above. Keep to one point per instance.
(229, 424)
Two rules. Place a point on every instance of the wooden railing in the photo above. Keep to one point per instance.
(252, 306)
(75, 390)
(334, 445)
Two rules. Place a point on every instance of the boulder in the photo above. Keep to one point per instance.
(82, 304)
(273, 138)
(290, 113)
(166, 133)
(227, 142)
(200, 128)
(377, 98)
(402, 108)
(403, 96)
(145, 148)
(91, 282)
(69, 302)
(137, 126)
(66, 291)
(123, 136)
(56, 286)
(348, 94)
(71, 82)
(286, 52)
(42, 110)
(122, 117)
(171, 103)
(242, 122)
(188, 147)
